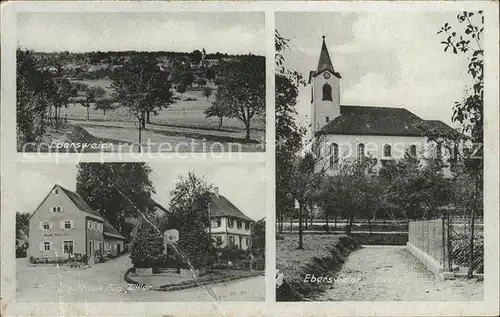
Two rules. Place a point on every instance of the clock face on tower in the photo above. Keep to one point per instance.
(326, 75)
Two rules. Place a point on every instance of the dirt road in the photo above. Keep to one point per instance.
(104, 282)
(390, 273)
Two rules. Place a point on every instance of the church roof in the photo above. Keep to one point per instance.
(367, 120)
(221, 206)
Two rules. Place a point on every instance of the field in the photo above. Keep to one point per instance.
(179, 124)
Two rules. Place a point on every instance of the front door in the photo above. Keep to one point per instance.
(241, 246)
(118, 248)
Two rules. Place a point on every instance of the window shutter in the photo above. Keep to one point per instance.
(72, 224)
(40, 246)
(50, 225)
(62, 224)
(40, 225)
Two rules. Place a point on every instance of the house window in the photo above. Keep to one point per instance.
(361, 150)
(248, 242)
(230, 223)
(68, 247)
(247, 226)
(239, 224)
(89, 224)
(327, 92)
(67, 224)
(327, 119)
(45, 225)
(56, 209)
(413, 150)
(387, 150)
(216, 223)
(56, 191)
(46, 246)
(334, 158)
(232, 240)
(219, 239)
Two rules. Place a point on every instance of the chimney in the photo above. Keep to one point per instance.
(216, 192)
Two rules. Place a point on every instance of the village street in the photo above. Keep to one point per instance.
(390, 273)
(104, 282)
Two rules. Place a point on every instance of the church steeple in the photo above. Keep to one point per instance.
(325, 63)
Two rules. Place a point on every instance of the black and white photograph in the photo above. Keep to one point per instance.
(379, 158)
(122, 232)
(140, 82)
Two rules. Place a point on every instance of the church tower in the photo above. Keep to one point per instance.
(325, 92)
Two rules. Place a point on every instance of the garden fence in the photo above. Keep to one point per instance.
(448, 241)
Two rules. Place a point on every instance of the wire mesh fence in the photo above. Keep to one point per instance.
(454, 241)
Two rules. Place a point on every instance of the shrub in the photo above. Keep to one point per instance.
(147, 247)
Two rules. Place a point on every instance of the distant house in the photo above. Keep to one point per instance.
(229, 226)
(64, 225)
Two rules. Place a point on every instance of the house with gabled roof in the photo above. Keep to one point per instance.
(381, 133)
(229, 225)
(64, 225)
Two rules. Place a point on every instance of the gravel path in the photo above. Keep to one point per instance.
(104, 283)
(391, 273)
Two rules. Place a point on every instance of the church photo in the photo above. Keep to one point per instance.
(379, 156)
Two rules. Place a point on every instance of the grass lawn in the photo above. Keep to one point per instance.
(323, 255)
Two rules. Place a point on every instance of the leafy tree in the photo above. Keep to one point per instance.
(188, 79)
(242, 89)
(103, 187)
(210, 74)
(35, 91)
(289, 133)
(469, 112)
(207, 92)
(104, 105)
(196, 56)
(141, 88)
(181, 88)
(64, 92)
(147, 247)
(189, 207)
(218, 109)
(22, 221)
(89, 99)
(259, 238)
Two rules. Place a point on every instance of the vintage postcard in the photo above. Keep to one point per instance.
(249, 158)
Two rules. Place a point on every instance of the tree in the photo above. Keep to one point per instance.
(89, 98)
(196, 56)
(207, 92)
(210, 74)
(141, 88)
(64, 92)
(189, 208)
(181, 88)
(147, 247)
(218, 109)
(259, 238)
(188, 79)
(35, 93)
(289, 134)
(469, 112)
(103, 187)
(104, 105)
(22, 221)
(242, 89)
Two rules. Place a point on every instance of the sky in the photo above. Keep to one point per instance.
(226, 32)
(244, 184)
(385, 58)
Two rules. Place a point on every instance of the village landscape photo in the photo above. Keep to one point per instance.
(379, 158)
(139, 82)
(130, 232)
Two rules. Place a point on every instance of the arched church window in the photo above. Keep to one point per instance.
(334, 158)
(413, 150)
(387, 150)
(327, 92)
(361, 150)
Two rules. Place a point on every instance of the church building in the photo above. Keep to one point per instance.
(381, 133)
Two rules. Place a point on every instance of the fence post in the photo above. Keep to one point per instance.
(448, 231)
